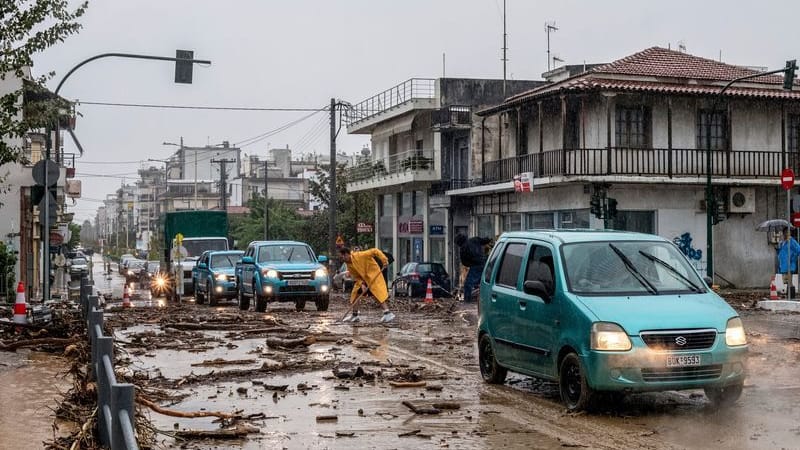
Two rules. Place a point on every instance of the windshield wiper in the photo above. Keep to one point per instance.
(632, 269)
(672, 270)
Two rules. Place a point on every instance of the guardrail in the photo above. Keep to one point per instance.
(115, 401)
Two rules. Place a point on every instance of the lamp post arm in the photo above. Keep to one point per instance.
(125, 55)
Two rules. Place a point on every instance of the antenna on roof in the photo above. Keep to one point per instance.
(556, 59)
(548, 27)
(505, 48)
(681, 46)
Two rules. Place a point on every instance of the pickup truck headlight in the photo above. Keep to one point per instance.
(608, 336)
(270, 273)
(734, 333)
(320, 273)
(220, 277)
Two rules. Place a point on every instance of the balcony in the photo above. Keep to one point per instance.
(400, 168)
(638, 162)
(452, 117)
(406, 96)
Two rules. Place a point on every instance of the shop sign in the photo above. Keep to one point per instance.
(437, 229)
(363, 227)
(416, 226)
(523, 182)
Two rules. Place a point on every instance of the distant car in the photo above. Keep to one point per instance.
(213, 277)
(78, 265)
(342, 280)
(134, 269)
(412, 280)
(149, 272)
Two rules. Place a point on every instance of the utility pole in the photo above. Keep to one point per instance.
(223, 181)
(266, 201)
(505, 48)
(332, 186)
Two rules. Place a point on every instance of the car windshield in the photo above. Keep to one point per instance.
(136, 264)
(628, 268)
(429, 268)
(225, 261)
(153, 266)
(294, 253)
(78, 261)
(195, 248)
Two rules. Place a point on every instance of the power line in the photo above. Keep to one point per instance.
(273, 132)
(199, 107)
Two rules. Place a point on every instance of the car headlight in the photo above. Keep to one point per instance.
(270, 273)
(161, 282)
(320, 273)
(734, 333)
(221, 277)
(608, 336)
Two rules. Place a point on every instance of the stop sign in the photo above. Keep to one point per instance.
(787, 179)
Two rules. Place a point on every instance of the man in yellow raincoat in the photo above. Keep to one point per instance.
(367, 279)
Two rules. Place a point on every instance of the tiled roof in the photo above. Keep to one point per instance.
(663, 71)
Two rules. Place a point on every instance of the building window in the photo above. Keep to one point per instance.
(418, 203)
(386, 205)
(486, 226)
(540, 220)
(633, 126)
(637, 221)
(573, 219)
(794, 133)
(719, 129)
(406, 203)
(512, 222)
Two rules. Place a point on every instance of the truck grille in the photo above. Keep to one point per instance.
(682, 373)
(679, 339)
(296, 275)
(297, 289)
(187, 275)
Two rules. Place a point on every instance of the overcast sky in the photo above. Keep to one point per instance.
(300, 53)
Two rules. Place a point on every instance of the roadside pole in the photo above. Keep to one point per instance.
(787, 182)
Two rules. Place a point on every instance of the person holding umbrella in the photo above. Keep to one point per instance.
(788, 251)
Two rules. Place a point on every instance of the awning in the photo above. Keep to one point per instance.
(396, 125)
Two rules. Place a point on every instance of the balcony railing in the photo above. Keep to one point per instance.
(415, 88)
(411, 160)
(451, 116)
(639, 162)
(441, 187)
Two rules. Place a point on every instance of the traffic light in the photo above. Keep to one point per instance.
(596, 207)
(788, 74)
(612, 208)
(183, 69)
(718, 213)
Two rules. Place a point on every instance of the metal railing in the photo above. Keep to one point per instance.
(415, 88)
(115, 401)
(441, 187)
(451, 116)
(411, 160)
(638, 162)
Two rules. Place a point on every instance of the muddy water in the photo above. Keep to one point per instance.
(31, 385)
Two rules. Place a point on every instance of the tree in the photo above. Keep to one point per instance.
(284, 222)
(351, 207)
(7, 261)
(29, 27)
(75, 236)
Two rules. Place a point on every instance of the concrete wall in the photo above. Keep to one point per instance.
(471, 91)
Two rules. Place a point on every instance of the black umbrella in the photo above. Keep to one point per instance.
(774, 225)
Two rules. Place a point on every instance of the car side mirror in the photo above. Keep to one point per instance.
(536, 287)
(202, 266)
(708, 281)
(322, 258)
(247, 260)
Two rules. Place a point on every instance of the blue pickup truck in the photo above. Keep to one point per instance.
(213, 276)
(282, 271)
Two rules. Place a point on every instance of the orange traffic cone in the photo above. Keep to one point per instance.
(429, 292)
(773, 291)
(126, 298)
(20, 307)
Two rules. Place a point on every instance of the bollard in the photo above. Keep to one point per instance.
(86, 289)
(122, 411)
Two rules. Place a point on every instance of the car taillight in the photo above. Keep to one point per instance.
(414, 276)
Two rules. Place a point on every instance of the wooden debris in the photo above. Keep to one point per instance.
(407, 384)
(447, 405)
(37, 342)
(327, 418)
(223, 362)
(434, 387)
(345, 434)
(230, 433)
(417, 410)
(409, 433)
(290, 343)
(173, 413)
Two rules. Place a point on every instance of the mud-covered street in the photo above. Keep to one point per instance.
(287, 379)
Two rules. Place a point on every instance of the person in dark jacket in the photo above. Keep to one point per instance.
(473, 255)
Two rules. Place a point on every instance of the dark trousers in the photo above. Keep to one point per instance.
(472, 281)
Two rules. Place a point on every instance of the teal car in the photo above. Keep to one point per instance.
(282, 271)
(606, 312)
(213, 276)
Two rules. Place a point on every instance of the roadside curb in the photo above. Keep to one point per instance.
(780, 305)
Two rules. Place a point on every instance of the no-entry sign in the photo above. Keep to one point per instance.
(787, 179)
(796, 219)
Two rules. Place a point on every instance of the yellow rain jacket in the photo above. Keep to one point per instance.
(364, 269)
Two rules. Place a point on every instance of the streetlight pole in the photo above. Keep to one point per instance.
(266, 200)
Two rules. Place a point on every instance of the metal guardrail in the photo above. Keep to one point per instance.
(415, 88)
(115, 401)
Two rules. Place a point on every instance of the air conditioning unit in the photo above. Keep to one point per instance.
(742, 200)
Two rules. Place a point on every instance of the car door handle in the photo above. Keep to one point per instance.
(522, 304)
(493, 297)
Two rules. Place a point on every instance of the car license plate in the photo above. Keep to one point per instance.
(297, 282)
(683, 360)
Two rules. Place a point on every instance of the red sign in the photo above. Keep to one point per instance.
(416, 226)
(56, 238)
(523, 182)
(787, 179)
(796, 219)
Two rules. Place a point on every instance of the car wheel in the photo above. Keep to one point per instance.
(322, 303)
(212, 299)
(491, 371)
(409, 290)
(244, 302)
(261, 301)
(573, 387)
(300, 305)
(724, 396)
(198, 297)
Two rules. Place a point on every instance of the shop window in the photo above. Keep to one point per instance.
(486, 226)
(407, 204)
(540, 220)
(638, 221)
(386, 205)
(512, 222)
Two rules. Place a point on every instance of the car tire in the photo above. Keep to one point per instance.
(198, 297)
(572, 384)
(409, 290)
(300, 305)
(244, 302)
(322, 303)
(725, 396)
(491, 371)
(261, 301)
(212, 299)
